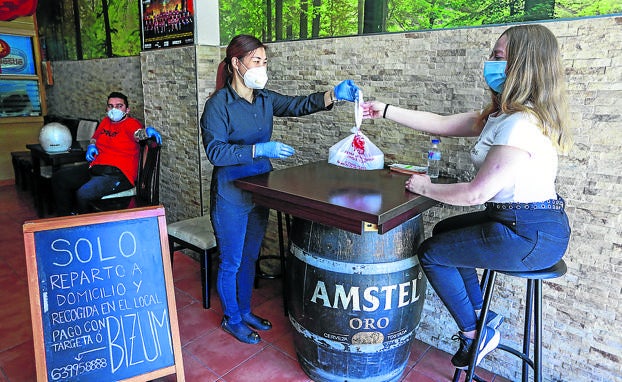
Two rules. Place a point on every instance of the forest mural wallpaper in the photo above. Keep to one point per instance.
(87, 29)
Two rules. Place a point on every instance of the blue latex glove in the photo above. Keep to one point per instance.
(151, 132)
(91, 152)
(346, 91)
(273, 150)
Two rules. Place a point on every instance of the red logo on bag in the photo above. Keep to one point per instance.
(359, 143)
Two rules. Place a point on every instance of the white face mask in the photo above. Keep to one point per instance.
(115, 115)
(255, 78)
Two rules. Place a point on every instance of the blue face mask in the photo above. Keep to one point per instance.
(494, 74)
(115, 115)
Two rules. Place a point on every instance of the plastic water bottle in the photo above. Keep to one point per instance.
(434, 159)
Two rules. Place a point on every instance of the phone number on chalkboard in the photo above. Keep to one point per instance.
(76, 369)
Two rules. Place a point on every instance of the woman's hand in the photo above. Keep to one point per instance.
(346, 91)
(418, 183)
(496, 173)
(373, 109)
(272, 149)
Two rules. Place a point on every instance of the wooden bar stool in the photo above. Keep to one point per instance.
(533, 313)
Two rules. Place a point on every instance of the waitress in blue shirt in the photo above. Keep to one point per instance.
(236, 127)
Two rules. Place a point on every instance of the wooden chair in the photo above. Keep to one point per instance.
(195, 234)
(146, 192)
(86, 129)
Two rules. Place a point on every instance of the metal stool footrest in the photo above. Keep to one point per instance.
(521, 355)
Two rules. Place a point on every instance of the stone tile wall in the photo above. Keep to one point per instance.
(81, 88)
(438, 71)
(170, 87)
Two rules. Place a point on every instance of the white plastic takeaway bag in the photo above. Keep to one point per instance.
(356, 151)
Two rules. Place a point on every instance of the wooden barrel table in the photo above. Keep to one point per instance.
(355, 300)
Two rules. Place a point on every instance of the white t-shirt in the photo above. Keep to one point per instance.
(536, 181)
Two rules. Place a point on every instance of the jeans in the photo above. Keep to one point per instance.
(505, 240)
(77, 185)
(239, 231)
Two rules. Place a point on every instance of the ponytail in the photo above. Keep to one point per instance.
(222, 75)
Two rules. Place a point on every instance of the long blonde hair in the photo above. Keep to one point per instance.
(535, 82)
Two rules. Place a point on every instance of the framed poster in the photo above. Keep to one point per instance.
(16, 55)
(167, 23)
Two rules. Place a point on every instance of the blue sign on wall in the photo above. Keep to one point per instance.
(20, 58)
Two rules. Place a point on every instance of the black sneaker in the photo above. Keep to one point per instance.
(490, 341)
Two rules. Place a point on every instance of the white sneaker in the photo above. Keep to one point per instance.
(493, 320)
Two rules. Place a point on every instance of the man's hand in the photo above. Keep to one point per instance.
(151, 132)
(91, 152)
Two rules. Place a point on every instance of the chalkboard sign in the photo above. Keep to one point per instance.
(101, 297)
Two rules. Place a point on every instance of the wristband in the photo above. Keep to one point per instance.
(384, 113)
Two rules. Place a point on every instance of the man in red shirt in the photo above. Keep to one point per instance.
(113, 156)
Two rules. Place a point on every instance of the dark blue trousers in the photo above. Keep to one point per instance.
(76, 186)
(511, 240)
(239, 231)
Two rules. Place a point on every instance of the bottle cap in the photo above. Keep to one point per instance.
(436, 141)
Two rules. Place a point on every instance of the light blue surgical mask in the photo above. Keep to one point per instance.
(494, 74)
(115, 115)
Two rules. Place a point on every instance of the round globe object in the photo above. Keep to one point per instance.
(55, 138)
